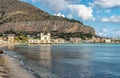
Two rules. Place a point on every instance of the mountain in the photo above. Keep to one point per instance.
(19, 16)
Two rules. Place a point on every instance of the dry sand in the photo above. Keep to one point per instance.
(11, 68)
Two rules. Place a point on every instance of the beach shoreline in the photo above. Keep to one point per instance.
(11, 67)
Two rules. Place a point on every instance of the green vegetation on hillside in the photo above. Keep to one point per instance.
(67, 36)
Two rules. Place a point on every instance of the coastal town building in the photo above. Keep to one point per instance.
(60, 40)
(1, 41)
(10, 38)
(34, 41)
(107, 41)
(75, 40)
(0, 38)
(45, 38)
(98, 40)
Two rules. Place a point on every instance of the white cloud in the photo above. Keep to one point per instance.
(116, 34)
(73, 0)
(115, 19)
(59, 14)
(70, 16)
(82, 11)
(104, 32)
(107, 11)
(24, 0)
(70, 1)
(56, 5)
(34, 0)
(79, 10)
(98, 11)
(107, 3)
(100, 33)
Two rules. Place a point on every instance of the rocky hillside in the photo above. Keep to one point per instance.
(20, 16)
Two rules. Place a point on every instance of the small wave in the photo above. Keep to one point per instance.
(29, 69)
(22, 62)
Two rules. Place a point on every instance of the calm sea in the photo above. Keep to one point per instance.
(70, 60)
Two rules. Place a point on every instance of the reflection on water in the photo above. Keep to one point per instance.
(72, 61)
(45, 52)
(45, 56)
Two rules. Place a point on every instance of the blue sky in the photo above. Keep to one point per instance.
(103, 15)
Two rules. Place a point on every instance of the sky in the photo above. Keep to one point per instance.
(102, 15)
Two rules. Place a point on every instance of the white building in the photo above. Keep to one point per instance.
(45, 38)
(1, 41)
(34, 41)
(58, 40)
(11, 38)
(76, 40)
(107, 41)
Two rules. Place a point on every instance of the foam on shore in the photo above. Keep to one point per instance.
(13, 68)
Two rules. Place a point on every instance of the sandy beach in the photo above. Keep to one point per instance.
(11, 68)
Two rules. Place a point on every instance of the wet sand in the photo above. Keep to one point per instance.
(11, 68)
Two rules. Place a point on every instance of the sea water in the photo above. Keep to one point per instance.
(70, 60)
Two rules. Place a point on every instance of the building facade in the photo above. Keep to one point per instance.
(75, 40)
(11, 38)
(45, 38)
(34, 41)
